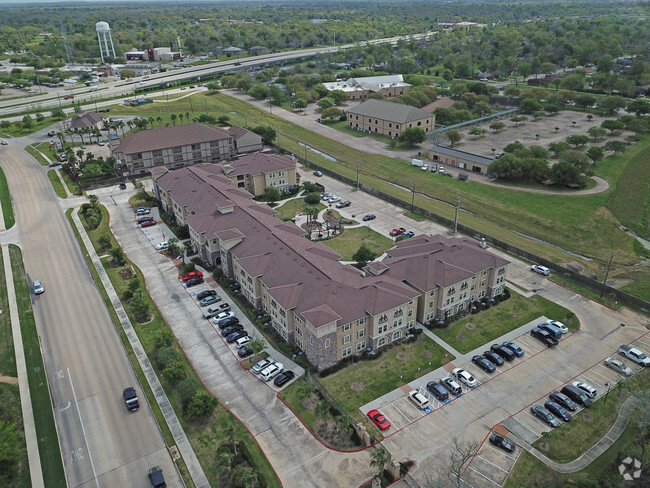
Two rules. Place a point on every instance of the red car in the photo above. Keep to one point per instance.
(68, 97)
(378, 419)
(193, 274)
(149, 223)
(397, 232)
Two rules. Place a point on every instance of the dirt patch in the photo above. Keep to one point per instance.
(309, 403)
(357, 386)
(470, 326)
(402, 356)
(575, 266)
(461, 338)
(543, 446)
(9, 379)
(587, 417)
(427, 354)
(125, 274)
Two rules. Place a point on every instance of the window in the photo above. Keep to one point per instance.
(214, 143)
(381, 342)
(482, 282)
(362, 321)
(346, 352)
(451, 290)
(196, 154)
(346, 326)
(361, 345)
(299, 343)
(383, 318)
(240, 177)
(472, 298)
(158, 161)
(177, 149)
(473, 286)
(385, 328)
(409, 324)
(398, 312)
(396, 335)
(327, 343)
(178, 158)
(298, 330)
(501, 270)
(411, 301)
(346, 339)
(196, 147)
(463, 286)
(361, 333)
(157, 152)
(410, 314)
(397, 323)
(430, 304)
(484, 272)
(481, 294)
(432, 292)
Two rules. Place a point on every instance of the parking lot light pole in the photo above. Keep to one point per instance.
(413, 197)
(602, 290)
(606, 394)
(456, 218)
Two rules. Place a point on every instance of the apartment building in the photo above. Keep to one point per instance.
(255, 172)
(388, 118)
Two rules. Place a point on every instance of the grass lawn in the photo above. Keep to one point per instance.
(7, 356)
(5, 201)
(205, 438)
(48, 442)
(348, 242)
(56, 184)
(288, 210)
(395, 367)
(32, 150)
(498, 320)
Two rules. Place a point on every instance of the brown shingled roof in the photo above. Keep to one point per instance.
(164, 137)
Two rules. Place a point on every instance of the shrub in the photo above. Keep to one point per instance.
(186, 390)
(174, 372)
(202, 405)
(164, 339)
(139, 308)
(165, 356)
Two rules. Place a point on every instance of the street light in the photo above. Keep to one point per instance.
(606, 394)
(602, 290)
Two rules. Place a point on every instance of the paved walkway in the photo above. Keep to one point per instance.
(182, 442)
(31, 438)
(600, 447)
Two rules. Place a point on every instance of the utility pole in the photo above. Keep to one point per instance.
(413, 198)
(602, 290)
(358, 167)
(456, 218)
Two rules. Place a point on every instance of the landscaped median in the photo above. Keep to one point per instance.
(217, 434)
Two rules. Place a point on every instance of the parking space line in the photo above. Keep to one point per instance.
(607, 380)
(401, 413)
(537, 420)
(644, 343)
(500, 451)
(483, 476)
(490, 462)
(594, 381)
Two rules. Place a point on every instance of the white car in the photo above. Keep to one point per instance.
(263, 364)
(618, 366)
(538, 268)
(586, 387)
(464, 377)
(563, 328)
(4, 142)
(38, 287)
(221, 316)
(162, 245)
(425, 167)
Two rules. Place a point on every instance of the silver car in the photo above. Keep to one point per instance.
(618, 366)
(38, 287)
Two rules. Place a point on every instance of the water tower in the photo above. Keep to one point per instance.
(102, 29)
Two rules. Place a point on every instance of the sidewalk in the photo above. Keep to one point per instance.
(31, 439)
(590, 455)
(182, 442)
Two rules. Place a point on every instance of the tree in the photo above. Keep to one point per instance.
(412, 136)
(10, 445)
(267, 133)
(558, 147)
(477, 132)
(585, 101)
(118, 255)
(40, 117)
(497, 126)
(300, 104)
(460, 454)
(639, 107)
(512, 91)
(615, 146)
(612, 125)
(453, 136)
(519, 119)
(363, 256)
(338, 96)
(312, 198)
(576, 158)
(530, 105)
(332, 113)
(577, 140)
(245, 477)
(173, 117)
(325, 103)
(28, 122)
(213, 87)
(611, 104)
(127, 73)
(595, 153)
(257, 346)
(224, 461)
(201, 406)
(379, 458)
(258, 91)
(271, 194)
(597, 133)
(93, 200)
(565, 173)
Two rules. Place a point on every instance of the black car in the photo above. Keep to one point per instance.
(230, 329)
(563, 400)
(438, 391)
(284, 378)
(368, 217)
(545, 416)
(493, 357)
(236, 335)
(122, 185)
(577, 395)
(244, 352)
(451, 385)
(193, 282)
(206, 294)
(484, 364)
(519, 352)
(142, 220)
(503, 351)
(156, 477)
(543, 336)
(228, 322)
(502, 442)
(558, 410)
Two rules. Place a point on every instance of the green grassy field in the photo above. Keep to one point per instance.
(289, 209)
(350, 240)
(482, 328)
(5, 201)
(56, 184)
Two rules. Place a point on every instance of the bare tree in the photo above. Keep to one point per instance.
(450, 468)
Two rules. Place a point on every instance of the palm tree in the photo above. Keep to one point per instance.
(181, 116)
(380, 457)
(159, 120)
(174, 117)
(187, 117)
(80, 154)
(151, 121)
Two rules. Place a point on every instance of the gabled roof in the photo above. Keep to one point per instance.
(164, 137)
(91, 119)
(395, 112)
(259, 163)
(443, 102)
(450, 151)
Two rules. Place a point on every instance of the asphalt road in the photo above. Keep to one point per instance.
(102, 445)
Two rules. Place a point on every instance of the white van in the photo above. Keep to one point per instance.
(418, 399)
(243, 341)
(271, 371)
(416, 162)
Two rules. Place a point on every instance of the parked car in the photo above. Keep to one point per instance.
(379, 420)
(162, 245)
(284, 378)
(208, 313)
(545, 416)
(441, 170)
(238, 334)
(260, 365)
(318, 173)
(538, 268)
(555, 332)
(635, 355)
(502, 442)
(142, 220)
(408, 234)
(156, 477)
(122, 185)
(4, 142)
(464, 377)
(142, 211)
(192, 274)
(558, 410)
(209, 300)
(148, 223)
(229, 329)
(333, 199)
(425, 167)
(207, 293)
(193, 282)
(438, 391)
(434, 168)
(589, 390)
(38, 287)
(577, 395)
(484, 364)
(543, 336)
(493, 357)
(563, 400)
(368, 217)
(222, 318)
(243, 341)
(618, 366)
(451, 385)
(396, 232)
(230, 322)
(519, 352)
(343, 204)
(563, 328)
(503, 351)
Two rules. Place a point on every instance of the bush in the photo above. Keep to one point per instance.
(174, 372)
(164, 339)
(139, 308)
(186, 390)
(202, 405)
(165, 356)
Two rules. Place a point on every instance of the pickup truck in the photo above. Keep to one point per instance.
(634, 354)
